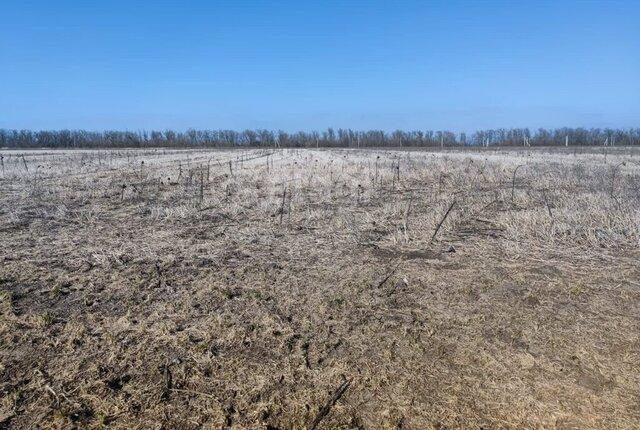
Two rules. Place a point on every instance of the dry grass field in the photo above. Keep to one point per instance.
(176, 289)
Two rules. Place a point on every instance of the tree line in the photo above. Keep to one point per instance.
(342, 138)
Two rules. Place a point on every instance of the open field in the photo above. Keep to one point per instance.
(224, 289)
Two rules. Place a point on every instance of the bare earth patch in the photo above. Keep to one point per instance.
(240, 289)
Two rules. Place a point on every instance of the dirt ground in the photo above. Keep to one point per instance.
(175, 289)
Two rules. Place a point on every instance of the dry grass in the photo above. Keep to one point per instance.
(182, 293)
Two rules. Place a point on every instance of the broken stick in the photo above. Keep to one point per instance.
(330, 402)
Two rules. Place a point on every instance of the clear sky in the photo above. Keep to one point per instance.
(302, 65)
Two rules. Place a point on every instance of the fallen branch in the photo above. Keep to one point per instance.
(387, 276)
(442, 221)
(329, 404)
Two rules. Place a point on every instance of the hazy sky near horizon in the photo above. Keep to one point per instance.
(296, 65)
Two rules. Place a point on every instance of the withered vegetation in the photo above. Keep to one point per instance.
(290, 289)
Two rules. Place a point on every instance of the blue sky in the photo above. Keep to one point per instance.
(298, 65)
